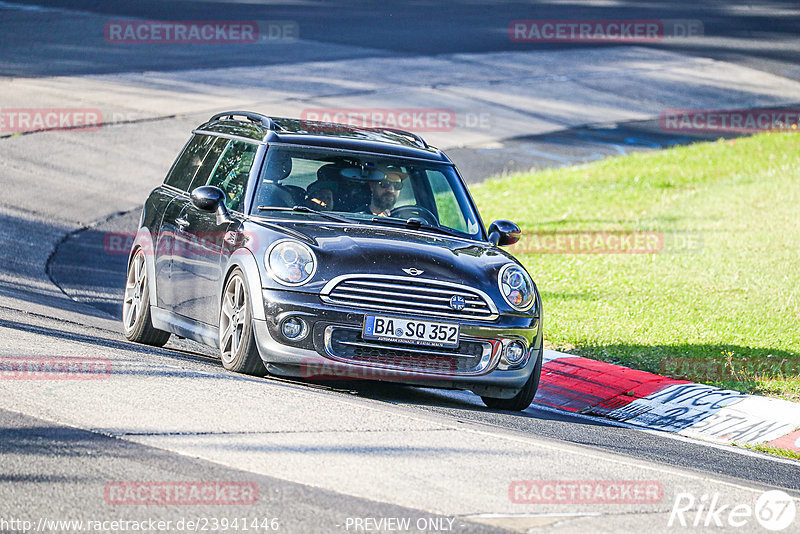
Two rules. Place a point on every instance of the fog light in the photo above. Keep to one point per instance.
(515, 352)
(294, 328)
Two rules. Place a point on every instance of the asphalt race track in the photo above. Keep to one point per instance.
(326, 457)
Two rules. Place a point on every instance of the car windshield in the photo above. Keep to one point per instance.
(365, 188)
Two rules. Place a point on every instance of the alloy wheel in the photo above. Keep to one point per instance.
(233, 318)
(133, 304)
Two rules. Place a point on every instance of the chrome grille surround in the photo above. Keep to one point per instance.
(473, 356)
(409, 295)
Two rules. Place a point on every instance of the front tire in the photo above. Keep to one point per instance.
(522, 399)
(136, 320)
(237, 343)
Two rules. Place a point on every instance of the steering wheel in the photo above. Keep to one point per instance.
(412, 211)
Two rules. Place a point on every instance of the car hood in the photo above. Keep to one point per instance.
(377, 249)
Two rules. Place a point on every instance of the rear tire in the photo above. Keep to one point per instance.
(522, 399)
(137, 323)
(237, 343)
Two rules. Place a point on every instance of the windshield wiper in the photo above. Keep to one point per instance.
(415, 223)
(306, 209)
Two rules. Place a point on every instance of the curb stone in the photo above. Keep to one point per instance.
(648, 400)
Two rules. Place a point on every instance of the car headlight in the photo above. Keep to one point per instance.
(516, 286)
(290, 262)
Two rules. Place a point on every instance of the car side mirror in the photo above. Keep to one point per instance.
(502, 233)
(210, 198)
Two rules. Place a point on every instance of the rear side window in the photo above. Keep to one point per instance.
(186, 166)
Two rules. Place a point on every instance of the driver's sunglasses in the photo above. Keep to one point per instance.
(386, 184)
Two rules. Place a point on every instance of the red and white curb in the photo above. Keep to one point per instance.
(656, 402)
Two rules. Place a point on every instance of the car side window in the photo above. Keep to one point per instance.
(209, 162)
(450, 213)
(186, 165)
(232, 171)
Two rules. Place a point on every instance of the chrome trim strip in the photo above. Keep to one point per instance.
(335, 295)
(325, 295)
(406, 311)
(348, 287)
(414, 288)
(173, 189)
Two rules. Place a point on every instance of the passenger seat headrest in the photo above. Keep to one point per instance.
(329, 173)
(279, 166)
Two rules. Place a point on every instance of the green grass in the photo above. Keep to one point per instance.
(775, 451)
(731, 299)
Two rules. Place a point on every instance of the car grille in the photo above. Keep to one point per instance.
(408, 295)
(346, 344)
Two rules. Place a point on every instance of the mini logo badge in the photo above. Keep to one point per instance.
(413, 272)
(457, 302)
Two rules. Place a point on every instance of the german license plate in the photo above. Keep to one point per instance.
(410, 331)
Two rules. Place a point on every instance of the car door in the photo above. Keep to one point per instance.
(197, 271)
(176, 194)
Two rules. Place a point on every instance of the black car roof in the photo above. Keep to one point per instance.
(264, 129)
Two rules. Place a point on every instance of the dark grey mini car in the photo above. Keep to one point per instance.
(328, 251)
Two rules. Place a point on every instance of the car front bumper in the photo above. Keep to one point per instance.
(333, 348)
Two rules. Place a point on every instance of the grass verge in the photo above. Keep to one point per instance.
(775, 451)
(709, 292)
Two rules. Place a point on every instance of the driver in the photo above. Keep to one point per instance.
(385, 192)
